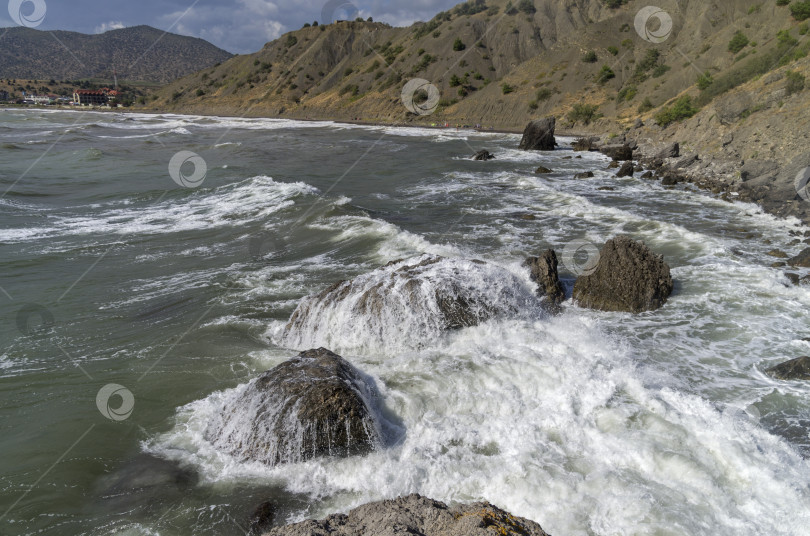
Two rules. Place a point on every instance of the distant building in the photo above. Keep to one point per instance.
(89, 97)
(41, 99)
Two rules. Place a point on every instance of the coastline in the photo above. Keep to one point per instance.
(713, 173)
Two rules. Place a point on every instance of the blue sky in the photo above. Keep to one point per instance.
(238, 26)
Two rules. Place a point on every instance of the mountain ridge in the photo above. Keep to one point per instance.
(136, 53)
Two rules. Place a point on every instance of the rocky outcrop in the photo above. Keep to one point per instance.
(416, 515)
(617, 152)
(542, 170)
(628, 277)
(585, 144)
(539, 135)
(484, 155)
(795, 369)
(584, 175)
(544, 272)
(316, 404)
(262, 518)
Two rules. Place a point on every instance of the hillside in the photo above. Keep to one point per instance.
(140, 53)
(736, 67)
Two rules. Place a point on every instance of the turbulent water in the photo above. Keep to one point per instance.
(587, 422)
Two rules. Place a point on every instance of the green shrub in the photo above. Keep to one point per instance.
(613, 4)
(455, 81)
(605, 74)
(510, 9)
(506, 88)
(784, 38)
(803, 29)
(589, 57)
(613, 50)
(800, 10)
(645, 106)
(738, 42)
(795, 82)
(627, 93)
(543, 94)
(705, 80)
(291, 41)
(660, 70)
(756, 8)
(527, 6)
(458, 45)
(584, 112)
(200, 92)
(533, 105)
(682, 109)
(782, 2)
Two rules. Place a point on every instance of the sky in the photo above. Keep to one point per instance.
(238, 26)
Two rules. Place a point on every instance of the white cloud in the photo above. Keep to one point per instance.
(107, 26)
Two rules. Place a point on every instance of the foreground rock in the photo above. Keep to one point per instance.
(802, 260)
(316, 404)
(407, 303)
(539, 135)
(484, 155)
(795, 369)
(416, 515)
(628, 277)
(544, 272)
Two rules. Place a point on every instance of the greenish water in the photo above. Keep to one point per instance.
(588, 423)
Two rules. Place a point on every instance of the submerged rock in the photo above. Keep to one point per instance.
(795, 369)
(544, 272)
(484, 155)
(628, 277)
(261, 520)
(406, 303)
(539, 135)
(543, 170)
(316, 404)
(416, 515)
(584, 175)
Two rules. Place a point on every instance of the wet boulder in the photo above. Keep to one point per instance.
(484, 155)
(414, 514)
(626, 170)
(619, 153)
(542, 170)
(585, 144)
(795, 369)
(316, 404)
(539, 135)
(406, 303)
(628, 277)
(544, 273)
(802, 260)
(584, 175)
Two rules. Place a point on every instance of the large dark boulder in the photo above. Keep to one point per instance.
(617, 152)
(544, 272)
(585, 144)
(416, 515)
(539, 135)
(628, 277)
(671, 150)
(795, 369)
(316, 404)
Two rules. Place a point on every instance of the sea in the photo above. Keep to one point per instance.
(150, 263)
